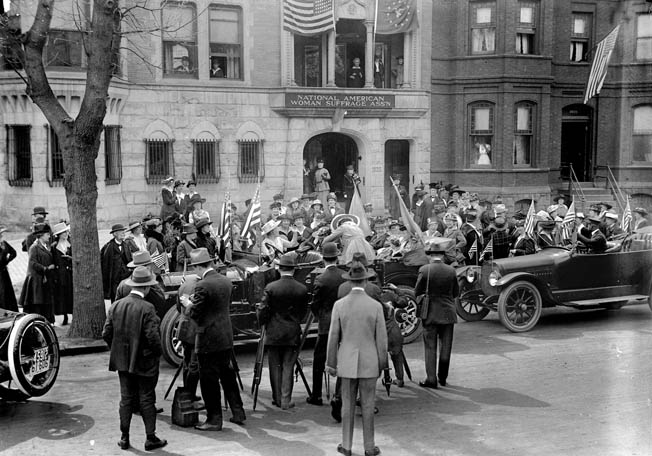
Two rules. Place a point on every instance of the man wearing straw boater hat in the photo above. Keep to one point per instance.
(357, 354)
(208, 306)
(115, 256)
(133, 334)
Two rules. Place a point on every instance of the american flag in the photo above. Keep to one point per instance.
(253, 219)
(626, 221)
(600, 64)
(489, 248)
(308, 17)
(530, 220)
(224, 229)
(568, 224)
(160, 260)
(474, 249)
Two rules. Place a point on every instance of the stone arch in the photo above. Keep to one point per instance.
(206, 131)
(249, 131)
(158, 129)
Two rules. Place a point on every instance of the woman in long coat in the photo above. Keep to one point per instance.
(7, 295)
(62, 258)
(36, 295)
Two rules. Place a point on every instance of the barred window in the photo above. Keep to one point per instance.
(523, 134)
(19, 155)
(112, 154)
(481, 133)
(251, 166)
(206, 161)
(159, 161)
(55, 170)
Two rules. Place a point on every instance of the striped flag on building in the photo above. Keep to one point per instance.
(308, 17)
(253, 219)
(530, 220)
(626, 221)
(568, 224)
(600, 63)
(224, 228)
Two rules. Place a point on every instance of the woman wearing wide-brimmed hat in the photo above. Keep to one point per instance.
(196, 210)
(347, 231)
(7, 255)
(273, 244)
(36, 295)
(62, 258)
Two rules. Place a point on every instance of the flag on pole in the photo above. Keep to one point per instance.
(160, 260)
(530, 220)
(224, 228)
(408, 221)
(253, 219)
(357, 209)
(488, 249)
(568, 224)
(474, 249)
(626, 221)
(308, 17)
(395, 16)
(600, 63)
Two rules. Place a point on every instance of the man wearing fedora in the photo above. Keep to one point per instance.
(187, 245)
(281, 311)
(156, 295)
(115, 257)
(133, 334)
(39, 215)
(357, 354)
(597, 242)
(209, 308)
(324, 296)
(438, 281)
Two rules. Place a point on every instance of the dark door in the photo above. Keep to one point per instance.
(397, 161)
(576, 148)
(338, 151)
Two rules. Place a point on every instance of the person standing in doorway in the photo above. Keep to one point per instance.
(322, 177)
(356, 76)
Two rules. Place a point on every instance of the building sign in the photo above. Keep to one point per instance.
(338, 100)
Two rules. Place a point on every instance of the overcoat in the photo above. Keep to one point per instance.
(324, 296)
(37, 288)
(7, 295)
(114, 266)
(169, 205)
(439, 281)
(62, 280)
(282, 308)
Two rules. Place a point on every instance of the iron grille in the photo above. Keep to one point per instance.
(251, 165)
(159, 163)
(19, 155)
(55, 160)
(112, 154)
(206, 161)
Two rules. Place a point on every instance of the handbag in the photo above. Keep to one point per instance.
(424, 301)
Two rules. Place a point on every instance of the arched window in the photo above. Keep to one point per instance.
(251, 159)
(159, 156)
(642, 134)
(481, 133)
(524, 116)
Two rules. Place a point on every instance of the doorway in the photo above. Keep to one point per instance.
(576, 147)
(350, 42)
(338, 151)
(397, 161)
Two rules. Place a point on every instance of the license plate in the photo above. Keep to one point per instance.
(41, 361)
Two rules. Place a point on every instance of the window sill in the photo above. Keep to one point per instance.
(111, 181)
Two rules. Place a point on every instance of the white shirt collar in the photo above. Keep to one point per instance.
(138, 293)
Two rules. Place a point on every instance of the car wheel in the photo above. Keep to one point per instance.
(519, 306)
(407, 318)
(172, 347)
(471, 311)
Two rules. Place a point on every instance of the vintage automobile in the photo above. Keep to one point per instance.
(248, 284)
(29, 355)
(518, 288)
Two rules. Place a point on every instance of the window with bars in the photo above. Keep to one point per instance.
(481, 133)
(64, 49)
(179, 30)
(206, 161)
(225, 34)
(159, 163)
(642, 134)
(483, 28)
(523, 134)
(19, 155)
(251, 166)
(644, 37)
(580, 42)
(55, 170)
(526, 28)
(112, 155)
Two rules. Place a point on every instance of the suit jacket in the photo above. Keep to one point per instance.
(183, 253)
(282, 309)
(440, 282)
(187, 329)
(114, 266)
(422, 212)
(322, 177)
(155, 296)
(597, 243)
(169, 203)
(210, 310)
(357, 340)
(324, 296)
(132, 332)
(329, 216)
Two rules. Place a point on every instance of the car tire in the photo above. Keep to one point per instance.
(411, 326)
(171, 346)
(519, 306)
(468, 311)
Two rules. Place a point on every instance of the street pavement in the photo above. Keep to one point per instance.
(578, 384)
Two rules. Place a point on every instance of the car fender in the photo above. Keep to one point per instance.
(543, 288)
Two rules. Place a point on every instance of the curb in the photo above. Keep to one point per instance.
(72, 347)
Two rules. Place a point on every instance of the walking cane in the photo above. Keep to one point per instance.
(174, 379)
(328, 386)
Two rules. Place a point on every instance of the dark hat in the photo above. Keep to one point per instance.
(435, 185)
(558, 197)
(247, 202)
(275, 204)
(288, 260)
(189, 228)
(305, 196)
(330, 250)
(421, 192)
(470, 216)
(456, 189)
(278, 196)
(147, 217)
(41, 228)
(196, 199)
(202, 222)
(546, 224)
(117, 227)
(140, 259)
(605, 204)
(331, 196)
(200, 256)
(141, 277)
(320, 160)
(39, 210)
(191, 182)
(500, 222)
(595, 220)
(357, 271)
(349, 167)
(640, 210)
(133, 225)
(179, 183)
(358, 257)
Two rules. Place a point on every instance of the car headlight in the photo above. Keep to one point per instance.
(471, 275)
(494, 277)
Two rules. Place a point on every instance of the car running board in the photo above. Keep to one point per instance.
(602, 301)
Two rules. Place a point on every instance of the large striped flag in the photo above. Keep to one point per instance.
(568, 224)
(530, 220)
(253, 219)
(224, 228)
(408, 221)
(600, 63)
(626, 221)
(308, 17)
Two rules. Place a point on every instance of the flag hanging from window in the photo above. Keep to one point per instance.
(396, 16)
(224, 228)
(600, 63)
(626, 221)
(530, 220)
(308, 17)
(568, 224)
(253, 219)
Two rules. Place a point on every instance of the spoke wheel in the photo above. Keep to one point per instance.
(519, 306)
(407, 318)
(471, 310)
(172, 347)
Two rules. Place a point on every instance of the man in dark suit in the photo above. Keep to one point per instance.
(597, 242)
(132, 332)
(282, 309)
(209, 308)
(115, 257)
(422, 209)
(439, 281)
(323, 297)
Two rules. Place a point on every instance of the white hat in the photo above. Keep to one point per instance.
(611, 215)
(579, 215)
(543, 215)
(553, 208)
(60, 228)
(269, 226)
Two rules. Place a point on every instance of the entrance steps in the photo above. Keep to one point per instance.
(594, 195)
